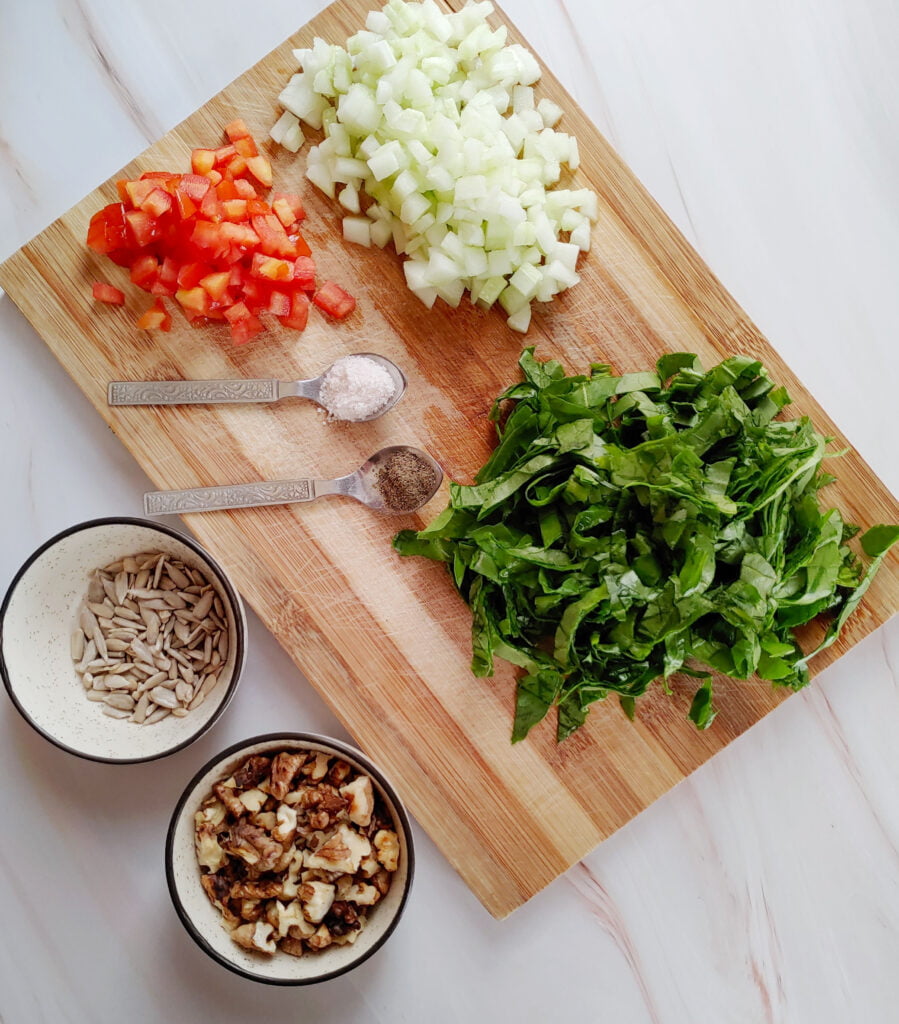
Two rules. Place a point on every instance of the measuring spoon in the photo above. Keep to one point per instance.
(215, 392)
(376, 483)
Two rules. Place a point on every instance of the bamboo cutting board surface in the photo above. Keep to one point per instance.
(386, 640)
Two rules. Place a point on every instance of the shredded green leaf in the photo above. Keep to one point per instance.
(628, 528)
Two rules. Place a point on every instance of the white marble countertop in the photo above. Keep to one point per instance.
(763, 889)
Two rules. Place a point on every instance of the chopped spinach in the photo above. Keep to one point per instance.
(628, 528)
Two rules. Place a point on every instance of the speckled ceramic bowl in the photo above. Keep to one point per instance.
(39, 614)
(204, 922)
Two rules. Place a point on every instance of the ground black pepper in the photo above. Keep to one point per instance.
(405, 481)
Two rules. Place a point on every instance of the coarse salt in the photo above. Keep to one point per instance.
(355, 388)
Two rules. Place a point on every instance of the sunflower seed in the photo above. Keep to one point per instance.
(163, 697)
(116, 712)
(122, 701)
(97, 696)
(177, 576)
(77, 645)
(140, 710)
(157, 716)
(180, 712)
(184, 692)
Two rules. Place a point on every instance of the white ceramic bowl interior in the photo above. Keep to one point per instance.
(204, 922)
(40, 613)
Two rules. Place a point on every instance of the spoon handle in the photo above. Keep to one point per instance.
(211, 499)
(191, 392)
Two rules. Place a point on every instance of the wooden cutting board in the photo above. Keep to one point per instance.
(386, 640)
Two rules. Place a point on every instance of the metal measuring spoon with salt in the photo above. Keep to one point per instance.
(358, 388)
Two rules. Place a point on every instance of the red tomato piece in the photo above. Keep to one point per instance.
(237, 129)
(270, 268)
(279, 303)
(273, 238)
(185, 207)
(194, 185)
(202, 161)
(209, 238)
(223, 154)
(156, 318)
(235, 209)
(193, 300)
(143, 227)
(261, 169)
(245, 189)
(226, 190)
(293, 201)
(282, 210)
(144, 271)
(334, 301)
(304, 273)
(236, 167)
(157, 203)
(246, 147)
(122, 188)
(211, 208)
(299, 312)
(300, 247)
(103, 292)
(108, 230)
(216, 285)
(244, 325)
(190, 274)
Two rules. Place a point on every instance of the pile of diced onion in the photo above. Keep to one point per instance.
(434, 118)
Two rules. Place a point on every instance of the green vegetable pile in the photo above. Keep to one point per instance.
(628, 528)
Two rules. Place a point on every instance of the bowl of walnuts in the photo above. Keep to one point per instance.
(289, 858)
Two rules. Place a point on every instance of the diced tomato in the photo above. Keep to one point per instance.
(245, 189)
(304, 273)
(190, 274)
(156, 318)
(194, 185)
(103, 292)
(246, 147)
(293, 201)
(299, 312)
(193, 300)
(209, 238)
(216, 285)
(211, 208)
(157, 203)
(282, 210)
(273, 238)
(144, 228)
(202, 160)
(235, 209)
(107, 232)
(261, 169)
(270, 268)
(244, 326)
(144, 271)
(237, 129)
(300, 247)
(279, 303)
(185, 207)
(334, 301)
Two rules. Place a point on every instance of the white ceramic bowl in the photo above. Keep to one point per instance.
(39, 614)
(204, 922)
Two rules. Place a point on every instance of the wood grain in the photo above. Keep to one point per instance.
(386, 641)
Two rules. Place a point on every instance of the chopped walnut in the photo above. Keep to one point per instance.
(286, 826)
(316, 898)
(342, 852)
(321, 939)
(286, 852)
(253, 800)
(228, 796)
(387, 845)
(256, 935)
(284, 768)
(361, 797)
(251, 772)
